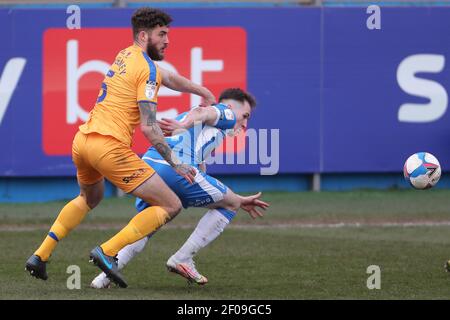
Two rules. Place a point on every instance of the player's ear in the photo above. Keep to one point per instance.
(142, 35)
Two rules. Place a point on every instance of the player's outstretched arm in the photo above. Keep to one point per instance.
(153, 133)
(207, 115)
(251, 203)
(233, 201)
(179, 83)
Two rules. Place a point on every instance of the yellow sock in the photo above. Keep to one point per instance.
(144, 223)
(69, 217)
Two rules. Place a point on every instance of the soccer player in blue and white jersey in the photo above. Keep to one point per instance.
(195, 134)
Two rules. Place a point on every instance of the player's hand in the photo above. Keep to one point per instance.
(170, 126)
(208, 98)
(186, 171)
(251, 203)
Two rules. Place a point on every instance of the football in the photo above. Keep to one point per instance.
(422, 170)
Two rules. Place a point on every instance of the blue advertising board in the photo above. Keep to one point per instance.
(329, 89)
(364, 71)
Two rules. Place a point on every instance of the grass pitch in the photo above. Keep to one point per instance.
(308, 246)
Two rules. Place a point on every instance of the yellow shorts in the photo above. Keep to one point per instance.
(97, 156)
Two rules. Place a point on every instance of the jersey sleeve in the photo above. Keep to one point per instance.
(148, 80)
(181, 116)
(226, 119)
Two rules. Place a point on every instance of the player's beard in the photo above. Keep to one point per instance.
(153, 52)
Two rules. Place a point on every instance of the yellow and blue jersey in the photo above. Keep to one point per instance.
(133, 77)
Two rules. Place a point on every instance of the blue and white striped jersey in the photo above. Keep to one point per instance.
(195, 145)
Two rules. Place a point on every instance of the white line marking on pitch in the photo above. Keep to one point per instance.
(292, 225)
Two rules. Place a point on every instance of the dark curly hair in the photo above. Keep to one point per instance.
(239, 95)
(148, 18)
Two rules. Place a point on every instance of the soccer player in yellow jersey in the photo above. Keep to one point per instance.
(101, 147)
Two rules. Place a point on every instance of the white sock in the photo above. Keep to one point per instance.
(129, 252)
(210, 226)
(126, 254)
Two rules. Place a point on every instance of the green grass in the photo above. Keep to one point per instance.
(270, 262)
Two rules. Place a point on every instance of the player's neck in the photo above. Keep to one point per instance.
(139, 45)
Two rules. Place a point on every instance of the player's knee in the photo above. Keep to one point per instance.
(92, 194)
(92, 201)
(175, 208)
